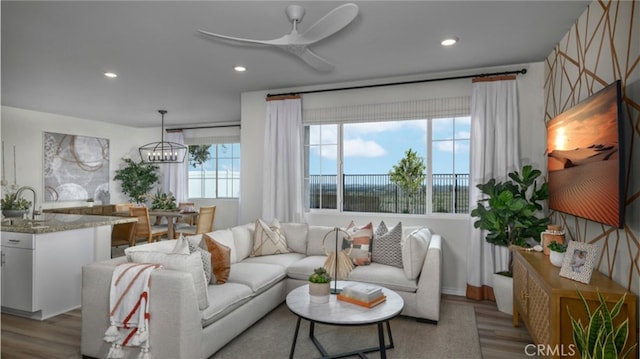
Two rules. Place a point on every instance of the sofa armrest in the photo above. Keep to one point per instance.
(175, 327)
(429, 282)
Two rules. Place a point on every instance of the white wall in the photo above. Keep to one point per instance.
(453, 228)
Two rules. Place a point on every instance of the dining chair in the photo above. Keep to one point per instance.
(204, 224)
(186, 206)
(143, 228)
(122, 234)
(123, 207)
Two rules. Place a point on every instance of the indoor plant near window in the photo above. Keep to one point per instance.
(556, 254)
(319, 286)
(137, 179)
(14, 206)
(510, 214)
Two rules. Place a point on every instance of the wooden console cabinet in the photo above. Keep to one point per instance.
(541, 298)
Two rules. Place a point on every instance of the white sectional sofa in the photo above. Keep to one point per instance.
(256, 285)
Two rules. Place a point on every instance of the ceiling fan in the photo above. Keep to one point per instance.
(297, 43)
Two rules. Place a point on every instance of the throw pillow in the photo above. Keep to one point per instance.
(189, 263)
(268, 239)
(386, 248)
(361, 240)
(181, 247)
(204, 255)
(414, 251)
(220, 260)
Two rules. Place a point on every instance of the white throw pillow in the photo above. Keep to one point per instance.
(268, 239)
(243, 240)
(414, 251)
(190, 263)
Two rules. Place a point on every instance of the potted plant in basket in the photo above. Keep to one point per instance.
(510, 214)
(14, 206)
(556, 255)
(319, 286)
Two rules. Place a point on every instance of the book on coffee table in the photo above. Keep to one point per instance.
(369, 304)
(362, 292)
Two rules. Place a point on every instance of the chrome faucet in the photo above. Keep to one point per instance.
(19, 191)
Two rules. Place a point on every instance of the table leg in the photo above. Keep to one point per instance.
(295, 339)
(170, 228)
(383, 349)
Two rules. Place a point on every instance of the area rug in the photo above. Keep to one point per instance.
(455, 336)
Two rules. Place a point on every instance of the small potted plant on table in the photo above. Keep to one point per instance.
(556, 255)
(319, 286)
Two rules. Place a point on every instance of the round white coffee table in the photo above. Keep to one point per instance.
(337, 312)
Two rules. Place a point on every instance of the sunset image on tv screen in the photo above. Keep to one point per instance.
(584, 157)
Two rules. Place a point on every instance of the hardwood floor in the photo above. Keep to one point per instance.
(59, 337)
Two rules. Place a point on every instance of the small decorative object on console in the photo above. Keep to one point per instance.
(579, 261)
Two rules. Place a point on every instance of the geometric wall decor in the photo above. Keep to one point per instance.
(604, 46)
(75, 167)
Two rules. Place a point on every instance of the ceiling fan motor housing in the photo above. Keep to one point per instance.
(294, 13)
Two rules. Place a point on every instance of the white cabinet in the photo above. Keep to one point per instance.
(17, 270)
(42, 273)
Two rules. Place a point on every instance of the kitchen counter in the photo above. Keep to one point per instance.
(56, 222)
(42, 260)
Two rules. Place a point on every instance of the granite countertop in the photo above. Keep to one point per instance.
(56, 222)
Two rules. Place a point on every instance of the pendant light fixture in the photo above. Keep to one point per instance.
(163, 151)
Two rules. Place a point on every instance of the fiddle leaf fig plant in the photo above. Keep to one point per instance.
(137, 179)
(510, 211)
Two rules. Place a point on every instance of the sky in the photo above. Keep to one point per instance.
(373, 148)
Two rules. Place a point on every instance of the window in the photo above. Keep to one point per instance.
(347, 165)
(218, 176)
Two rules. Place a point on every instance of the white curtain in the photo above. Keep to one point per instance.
(494, 153)
(282, 165)
(174, 175)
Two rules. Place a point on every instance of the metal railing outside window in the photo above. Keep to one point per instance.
(376, 193)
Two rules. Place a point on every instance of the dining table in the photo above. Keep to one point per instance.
(170, 215)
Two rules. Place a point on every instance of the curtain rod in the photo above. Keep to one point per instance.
(523, 71)
(179, 129)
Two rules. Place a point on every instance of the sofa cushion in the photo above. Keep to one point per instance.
(296, 235)
(243, 239)
(160, 246)
(414, 251)
(303, 268)
(268, 239)
(359, 245)
(224, 299)
(386, 247)
(387, 276)
(315, 238)
(257, 276)
(204, 255)
(220, 262)
(284, 260)
(190, 263)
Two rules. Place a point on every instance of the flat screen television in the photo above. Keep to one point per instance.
(585, 159)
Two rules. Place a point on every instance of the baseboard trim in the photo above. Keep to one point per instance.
(454, 291)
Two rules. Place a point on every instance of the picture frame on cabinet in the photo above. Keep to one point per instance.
(579, 261)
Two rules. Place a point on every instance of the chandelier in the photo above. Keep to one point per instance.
(163, 151)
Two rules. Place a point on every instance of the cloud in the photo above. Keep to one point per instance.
(361, 148)
(447, 146)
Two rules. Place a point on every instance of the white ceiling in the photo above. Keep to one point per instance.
(54, 53)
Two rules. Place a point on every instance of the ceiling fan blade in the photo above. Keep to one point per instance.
(328, 25)
(315, 61)
(284, 40)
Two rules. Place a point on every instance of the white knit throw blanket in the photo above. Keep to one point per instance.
(129, 309)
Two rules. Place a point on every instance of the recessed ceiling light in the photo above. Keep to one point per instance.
(450, 41)
(111, 75)
(240, 68)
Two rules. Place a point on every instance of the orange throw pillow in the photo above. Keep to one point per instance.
(220, 259)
